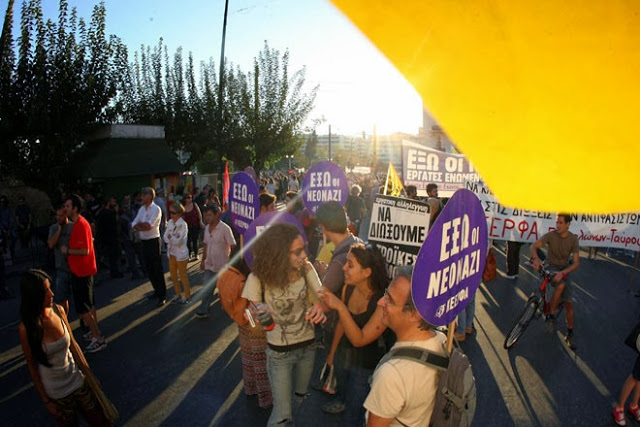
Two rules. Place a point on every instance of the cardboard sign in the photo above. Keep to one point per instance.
(449, 267)
(324, 182)
(398, 228)
(244, 202)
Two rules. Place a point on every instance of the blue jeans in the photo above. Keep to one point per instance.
(289, 375)
(62, 290)
(210, 279)
(356, 388)
(465, 318)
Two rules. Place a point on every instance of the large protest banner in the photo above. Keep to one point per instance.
(504, 223)
(423, 165)
(398, 228)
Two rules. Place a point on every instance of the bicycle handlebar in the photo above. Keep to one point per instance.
(545, 273)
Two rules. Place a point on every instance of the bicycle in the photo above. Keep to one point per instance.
(536, 305)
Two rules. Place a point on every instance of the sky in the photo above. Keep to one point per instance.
(358, 86)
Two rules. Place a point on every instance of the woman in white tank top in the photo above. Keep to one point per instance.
(45, 342)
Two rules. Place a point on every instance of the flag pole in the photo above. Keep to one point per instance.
(386, 182)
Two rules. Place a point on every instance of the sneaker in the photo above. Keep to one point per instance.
(469, 331)
(460, 337)
(88, 336)
(96, 346)
(335, 407)
(184, 300)
(511, 276)
(634, 411)
(549, 317)
(569, 340)
(618, 416)
(161, 302)
(201, 314)
(176, 299)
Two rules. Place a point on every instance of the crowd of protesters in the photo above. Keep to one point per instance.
(295, 308)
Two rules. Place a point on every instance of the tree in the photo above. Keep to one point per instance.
(273, 109)
(55, 92)
(311, 150)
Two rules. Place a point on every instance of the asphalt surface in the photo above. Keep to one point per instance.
(164, 366)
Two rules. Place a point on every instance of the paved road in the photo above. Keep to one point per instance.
(165, 367)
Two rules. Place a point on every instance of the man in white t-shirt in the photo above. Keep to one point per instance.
(217, 244)
(403, 391)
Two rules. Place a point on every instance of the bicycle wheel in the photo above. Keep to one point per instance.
(521, 324)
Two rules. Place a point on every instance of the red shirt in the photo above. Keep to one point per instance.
(81, 238)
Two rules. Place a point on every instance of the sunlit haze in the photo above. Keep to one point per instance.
(359, 88)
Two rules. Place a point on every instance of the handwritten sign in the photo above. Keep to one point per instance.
(324, 182)
(398, 228)
(423, 165)
(263, 222)
(244, 202)
(620, 230)
(449, 267)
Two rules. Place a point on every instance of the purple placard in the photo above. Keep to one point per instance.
(244, 202)
(261, 223)
(324, 182)
(252, 173)
(451, 260)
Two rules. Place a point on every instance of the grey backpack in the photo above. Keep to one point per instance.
(456, 397)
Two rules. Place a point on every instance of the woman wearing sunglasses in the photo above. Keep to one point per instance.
(176, 237)
(284, 280)
(357, 344)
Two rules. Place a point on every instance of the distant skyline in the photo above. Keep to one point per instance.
(359, 88)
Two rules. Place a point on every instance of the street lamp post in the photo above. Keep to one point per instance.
(290, 157)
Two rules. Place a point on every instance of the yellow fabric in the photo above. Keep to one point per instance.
(394, 183)
(179, 268)
(326, 252)
(542, 96)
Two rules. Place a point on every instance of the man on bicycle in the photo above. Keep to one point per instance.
(561, 244)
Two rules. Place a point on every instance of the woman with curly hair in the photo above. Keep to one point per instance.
(45, 342)
(284, 280)
(365, 280)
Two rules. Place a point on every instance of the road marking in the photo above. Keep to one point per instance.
(159, 409)
(227, 404)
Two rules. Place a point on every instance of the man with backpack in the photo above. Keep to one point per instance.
(403, 391)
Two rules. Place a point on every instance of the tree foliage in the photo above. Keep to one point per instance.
(55, 90)
(59, 80)
(258, 122)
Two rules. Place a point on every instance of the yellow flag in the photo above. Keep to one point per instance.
(393, 186)
(542, 96)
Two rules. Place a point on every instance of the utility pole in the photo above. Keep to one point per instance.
(374, 158)
(221, 77)
(221, 82)
(330, 159)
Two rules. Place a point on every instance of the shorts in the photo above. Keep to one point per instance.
(567, 294)
(62, 290)
(83, 293)
(636, 369)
